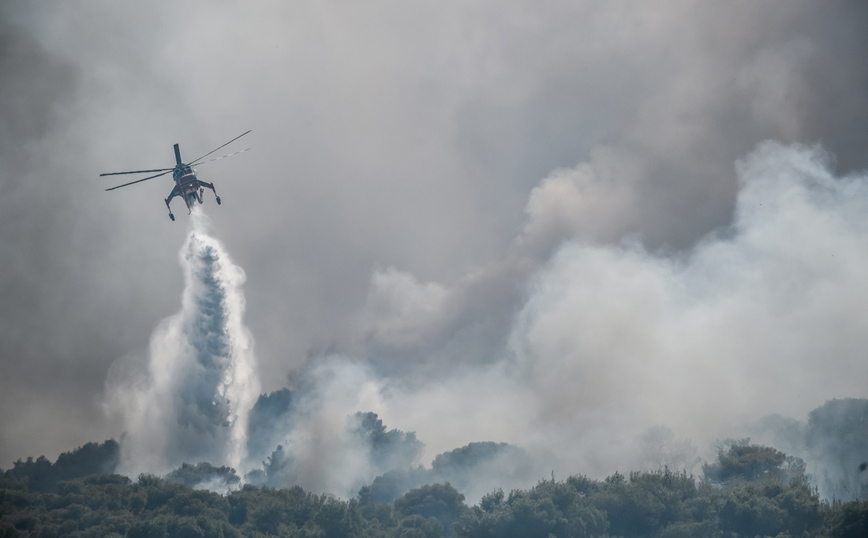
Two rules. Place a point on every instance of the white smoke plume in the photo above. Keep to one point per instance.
(609, 340)
(323, 455)
(191, 402)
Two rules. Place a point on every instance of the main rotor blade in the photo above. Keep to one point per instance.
(139, 181)
(223, 146)
(224, 156)
(136, 172)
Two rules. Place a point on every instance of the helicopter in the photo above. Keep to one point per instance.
(187, 185)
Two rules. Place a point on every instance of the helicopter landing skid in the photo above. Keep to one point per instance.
(171, 216)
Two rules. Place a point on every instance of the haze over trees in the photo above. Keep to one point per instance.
(760, 499)
(748, 490)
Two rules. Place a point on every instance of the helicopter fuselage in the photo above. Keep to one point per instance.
(187, 185)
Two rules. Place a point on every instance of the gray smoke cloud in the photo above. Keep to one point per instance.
(610, 340)
(192, 401)
(696, 336)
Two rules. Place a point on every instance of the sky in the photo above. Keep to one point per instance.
(553, 224)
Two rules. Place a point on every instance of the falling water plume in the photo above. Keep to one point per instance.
(191, 404)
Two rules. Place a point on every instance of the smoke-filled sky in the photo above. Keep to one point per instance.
(554, 224)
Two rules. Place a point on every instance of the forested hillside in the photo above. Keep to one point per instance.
(750, 491)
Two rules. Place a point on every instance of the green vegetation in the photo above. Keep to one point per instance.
(91, 459)
(750, 491)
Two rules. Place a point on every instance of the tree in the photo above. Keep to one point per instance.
(440, 501)
(388, 449)
(745, 462)
(850, 521)
(86, 460)
(769, 507)
(204, 474)
(647, 502)
(549, 509)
